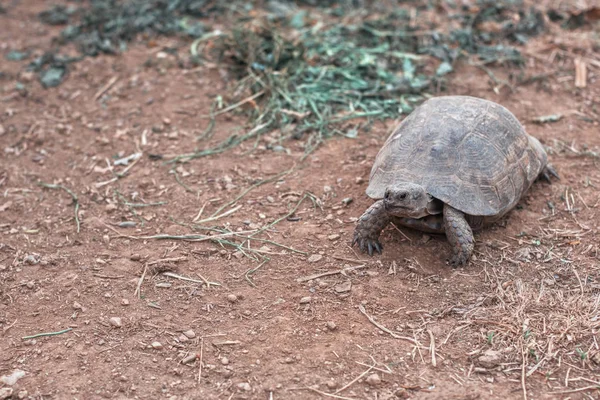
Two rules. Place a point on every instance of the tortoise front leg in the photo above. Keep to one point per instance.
(370, 225)
(459, 235)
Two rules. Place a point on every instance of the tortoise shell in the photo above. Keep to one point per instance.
(470, 153)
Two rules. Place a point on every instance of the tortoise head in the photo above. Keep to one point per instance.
(406, 199)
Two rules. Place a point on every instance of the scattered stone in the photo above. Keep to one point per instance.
(270, 199)
(6, 393)
(189, 359)
(183, 338)
(127, 224)
(116, 322)
(374, 380)
(224, 360)
(331, 385)
(490, 359)
(305, 300)
(331, 326)
(333, 237)
(124, 302)
(347, 201)
(31, 259)
(315, 258)
(12, 378)
(22, 394)
(245, 386)
(135, 257)
(288, 360)
(327, 189)
(157, 345)
(343, 287)
(190, 334)
(359, 180)
(77, 306)
(232, 298)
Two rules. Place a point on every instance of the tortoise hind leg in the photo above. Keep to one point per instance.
(459, 234)
(369, 226)
(547, 172)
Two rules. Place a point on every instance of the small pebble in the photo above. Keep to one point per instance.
(374, 379)
(347, 201)
(22, 394)
(245, 386)
(331, 325)
(189, 359)
(30, 259)
(6, 393)
(135, 257)
(116, 322)
(335, 236)
(224, 360)
(305, 300)
(343, 287)
(331, 384)
(232, 298)
(124, 302)
(12, 379)
(270, 199)
(288, 360)
(157, 345)
(315, 258)
(190, 334)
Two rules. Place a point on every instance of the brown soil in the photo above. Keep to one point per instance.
(531, 293)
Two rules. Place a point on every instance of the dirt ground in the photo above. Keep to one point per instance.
(524, 314)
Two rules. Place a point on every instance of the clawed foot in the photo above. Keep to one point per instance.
(458, 260)
(367, 243)
(548, 172)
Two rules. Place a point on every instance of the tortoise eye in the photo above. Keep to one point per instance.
(403, 196)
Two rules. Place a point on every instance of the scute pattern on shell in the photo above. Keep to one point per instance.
(470, 153)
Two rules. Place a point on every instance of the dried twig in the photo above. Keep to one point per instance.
(215, 217)
(432, 348)
(47, 334)
(383, 328)
(73, 195)
(138, 289)
(581, 389)
(200, 359)
(355, 379)
(106, 87)
(340, 271)
(183, 278)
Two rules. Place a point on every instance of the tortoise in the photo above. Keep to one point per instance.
(453, 165)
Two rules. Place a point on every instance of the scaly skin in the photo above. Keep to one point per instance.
(369, 227)
(459, 234)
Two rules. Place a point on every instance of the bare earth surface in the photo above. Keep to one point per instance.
(523, 314)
